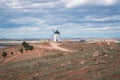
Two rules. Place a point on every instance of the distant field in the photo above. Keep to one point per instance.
(88, 61)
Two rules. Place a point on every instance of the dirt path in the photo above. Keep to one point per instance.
(7, 60)
(56, 46)
(52, 45)
(30, 55)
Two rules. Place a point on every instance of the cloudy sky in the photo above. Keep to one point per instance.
(73, 18)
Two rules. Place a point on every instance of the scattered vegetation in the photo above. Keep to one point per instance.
(54, 55)
(27, 46)
(12, 53)
(4, 54)
(21, 50)
(94, 62)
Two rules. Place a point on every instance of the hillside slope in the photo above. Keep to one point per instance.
(91, 62)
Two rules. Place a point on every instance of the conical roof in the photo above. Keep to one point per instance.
(56, 32)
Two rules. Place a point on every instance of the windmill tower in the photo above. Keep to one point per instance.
(56, 36)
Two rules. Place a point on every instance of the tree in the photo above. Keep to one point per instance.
(30, 47)
(27, 46)
(24, 44)
(4, 54)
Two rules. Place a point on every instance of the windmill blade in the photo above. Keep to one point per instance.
(53, 30)
(52, 35)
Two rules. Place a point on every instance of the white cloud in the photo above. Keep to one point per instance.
(97, 28)
(89, 27)
(75, 3)
(14, 4)
(43, 15)
(30, 5)
(109, 2)
(28, 20)
(109, 18)
(41, 5)
(21, 4)
(26, 32)
(106, 28)
(2, 1)
(65, 29)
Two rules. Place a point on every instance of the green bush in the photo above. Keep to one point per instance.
(12, 53)
(30, 47)
(4, 54)
(27, 46)
(24, 44)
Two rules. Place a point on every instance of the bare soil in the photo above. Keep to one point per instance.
(62, 61)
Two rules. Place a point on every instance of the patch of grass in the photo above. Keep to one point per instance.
(46, 74)
(58, 65)
(1, 61)
(54, 55)
(61, 76)
(3, 75)
(34, 78)
(107, 77)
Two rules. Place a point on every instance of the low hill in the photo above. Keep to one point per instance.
(67, 61)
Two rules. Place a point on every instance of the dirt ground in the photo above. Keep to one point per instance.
(62, 61)
(39, 51)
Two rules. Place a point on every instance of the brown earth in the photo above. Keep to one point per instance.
(39, 51)
(62, 61)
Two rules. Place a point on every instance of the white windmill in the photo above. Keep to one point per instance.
(56, 35)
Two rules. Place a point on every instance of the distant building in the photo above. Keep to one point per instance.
(56, 36)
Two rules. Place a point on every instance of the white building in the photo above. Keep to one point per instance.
(56, 36)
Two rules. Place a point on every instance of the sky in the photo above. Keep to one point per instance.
(73, 18)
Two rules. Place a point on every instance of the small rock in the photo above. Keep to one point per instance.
(62, 64)
(111, 57)
(103, 62)
(97, 62)
(100, 62)
(36, 74)
(96, 54)
(106, 55)
(82, 62)
(70, 62)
